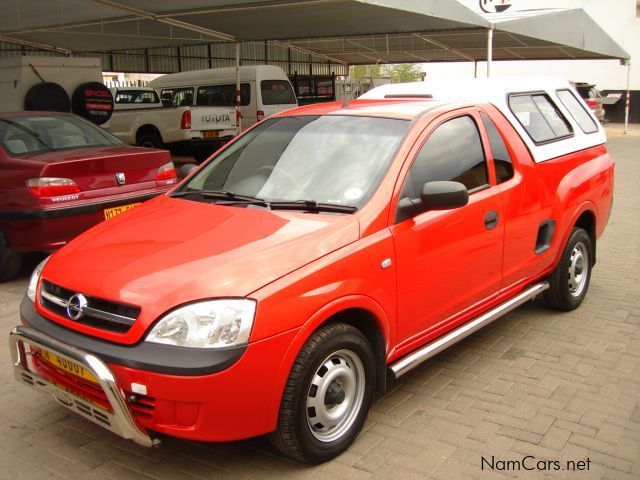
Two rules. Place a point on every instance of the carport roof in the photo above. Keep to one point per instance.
(348, 31)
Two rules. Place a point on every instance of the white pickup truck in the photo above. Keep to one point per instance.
(171, 121)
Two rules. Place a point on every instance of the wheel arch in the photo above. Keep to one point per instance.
(361, 312)
(148, 128)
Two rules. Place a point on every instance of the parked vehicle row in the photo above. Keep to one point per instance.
(324, 252)
(61, 175)
(195, 111)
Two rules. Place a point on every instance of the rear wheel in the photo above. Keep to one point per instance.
(150, 140)
(10, 261)
(569, 282)
(327, 396)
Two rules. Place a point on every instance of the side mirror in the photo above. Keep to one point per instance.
(444, 195)
(186, 169)
(435, 196)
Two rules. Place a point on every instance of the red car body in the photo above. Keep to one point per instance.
(305, 269)
(31, 222)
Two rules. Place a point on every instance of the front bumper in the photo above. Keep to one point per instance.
(238, 398)
(117, 417)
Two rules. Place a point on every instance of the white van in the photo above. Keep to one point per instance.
(264, 90)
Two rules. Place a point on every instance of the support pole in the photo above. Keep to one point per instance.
(489, 50)
(475, 69)
(238, 99)
(628, 99)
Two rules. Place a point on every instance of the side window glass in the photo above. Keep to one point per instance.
(452, 152)
(579, 112)
(223, 95)
(501, 158)
(177, 97)
(539, 117)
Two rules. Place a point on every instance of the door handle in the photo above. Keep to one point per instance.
(491, 220)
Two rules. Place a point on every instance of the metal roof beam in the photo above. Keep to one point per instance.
(166, 20)
(304, 50)
(41, 46)
(427, 39)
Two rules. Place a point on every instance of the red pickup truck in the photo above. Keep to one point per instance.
(323, 253)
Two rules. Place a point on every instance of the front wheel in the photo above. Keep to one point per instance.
(327, 396)
(569, 282)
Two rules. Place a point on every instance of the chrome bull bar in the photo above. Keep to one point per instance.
(119, 420)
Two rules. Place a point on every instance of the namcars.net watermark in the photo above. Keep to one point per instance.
(530, 463)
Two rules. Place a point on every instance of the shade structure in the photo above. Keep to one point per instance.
(347, 31)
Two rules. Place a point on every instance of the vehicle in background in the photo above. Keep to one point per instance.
(323, 253)
(592, 98)
(199, 108)
(60, 175)
(129, 98)
(264, 90)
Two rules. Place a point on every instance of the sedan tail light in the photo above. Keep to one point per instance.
(166, 173)
(52, 187)
(185, 122)
(592, 103)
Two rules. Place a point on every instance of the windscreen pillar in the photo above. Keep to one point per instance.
(489, 49)
(238, 99)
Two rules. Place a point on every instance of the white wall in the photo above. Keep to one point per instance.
(617, 17)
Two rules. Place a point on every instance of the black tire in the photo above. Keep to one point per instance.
(10, 261)
(569, 282)
(150, 140)
(295, 436)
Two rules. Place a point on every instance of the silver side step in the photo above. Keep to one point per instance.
(402, 366)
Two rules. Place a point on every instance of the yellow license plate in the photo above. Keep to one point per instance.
(112, 212)
(210, 134)
(68, 366)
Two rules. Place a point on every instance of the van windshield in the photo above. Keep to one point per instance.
(327, 159)
(277, 92)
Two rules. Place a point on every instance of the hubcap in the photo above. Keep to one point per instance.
(335, 396)
(578, 269)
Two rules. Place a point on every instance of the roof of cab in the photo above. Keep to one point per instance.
(216, 75)
(404, 109)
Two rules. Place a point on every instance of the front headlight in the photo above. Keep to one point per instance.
(209, 324)
(35, 277)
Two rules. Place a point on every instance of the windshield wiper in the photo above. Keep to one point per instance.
(221, 195)
(312, 206)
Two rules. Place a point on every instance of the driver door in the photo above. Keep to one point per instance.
(450, 260)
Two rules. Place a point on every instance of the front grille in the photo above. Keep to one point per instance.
(98, 313)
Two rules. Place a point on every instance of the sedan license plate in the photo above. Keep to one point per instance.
(70, 367)
(112, 212)
(210, 134)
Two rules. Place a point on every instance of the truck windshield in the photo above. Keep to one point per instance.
(327, 159)
(25, 135)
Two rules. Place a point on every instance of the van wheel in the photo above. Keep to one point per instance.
(10, 261)
(150, 140)
(327, 396)
(569, 282)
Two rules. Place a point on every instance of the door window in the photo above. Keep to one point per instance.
(277, 92)
(452, 152)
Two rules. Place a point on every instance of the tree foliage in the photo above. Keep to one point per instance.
(400, 72)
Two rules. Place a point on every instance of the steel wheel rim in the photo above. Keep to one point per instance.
(578, 269)
(335, 396)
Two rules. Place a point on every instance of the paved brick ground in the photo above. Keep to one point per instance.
(550, 385)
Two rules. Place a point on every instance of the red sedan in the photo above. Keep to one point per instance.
(62, 175)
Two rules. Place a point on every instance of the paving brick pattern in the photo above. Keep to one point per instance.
(552, 386)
